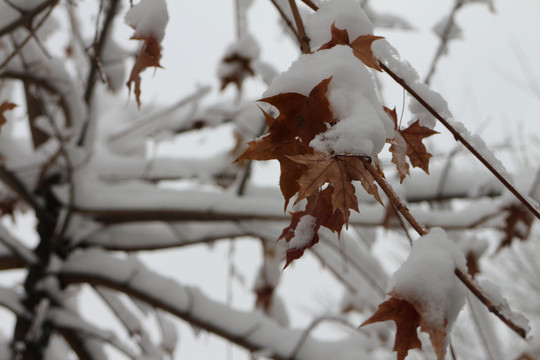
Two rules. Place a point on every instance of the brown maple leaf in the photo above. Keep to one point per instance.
(339, 172)
(241, 68)
(339, 37)
(148, 56)
(300, 119)
(407, 320)
(301, 116)
(416, 151)
(362, 50)
(517, 224)
(398, 147)
(5, 106)
(288, 234)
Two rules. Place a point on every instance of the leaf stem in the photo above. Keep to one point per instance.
(304, 40)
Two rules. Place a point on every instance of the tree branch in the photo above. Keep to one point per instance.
(27, 17)
(304, 40)
(250, 331)
(422, 231)
(460, 138)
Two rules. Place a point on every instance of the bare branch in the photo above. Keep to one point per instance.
(422, 231)
(457, 135)
(27, 17)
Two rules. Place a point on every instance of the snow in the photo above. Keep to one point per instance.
(345, 14)
(386, 53)
(149, 19)
(68, 320)
(245, 47)
(493, 293)
(169, 334)
(427, 280)
(17, 247)
(304, 232)
(11, 300)
(479, 144)
(362, 126)
(252, 328)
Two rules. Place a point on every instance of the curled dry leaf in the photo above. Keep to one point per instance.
(517, 224)
(407, 320)
(5, 106)
(361, 46)
(408, 142)
(148, 56)
(362, 49)
(239, 68)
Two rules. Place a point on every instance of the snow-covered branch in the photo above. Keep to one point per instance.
(251, 330)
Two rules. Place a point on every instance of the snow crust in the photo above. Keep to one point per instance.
(494, 294)
(427, 280)
(390, 57)
(480, 145)
(345, 14)
(253, 327)
(246, 47)
(303, 234)
(362, 126)
(149, 19)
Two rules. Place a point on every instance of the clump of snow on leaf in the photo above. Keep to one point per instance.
(344, 14)
(149, 19)
(362, 126)
(427, 279)
(303, 234)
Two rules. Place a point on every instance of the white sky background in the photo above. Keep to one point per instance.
(484, 78)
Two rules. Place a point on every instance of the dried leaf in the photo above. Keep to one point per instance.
(148, 56)
(407, 321)
(299, 115)
(339, 37)
(240, 68)
(416, 151)
(300, 119)
(362, 49)
(5, 106)
(339, 172)
(517, 224)
(398, 147)
(408, 318)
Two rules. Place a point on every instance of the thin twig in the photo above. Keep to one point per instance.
(394, 198)
(311, 4)
(304, 40)
(287, 20)
(312, 327)
(445, 37)
(27, 17)
(457, 135)
(471, 285)
(32, 33)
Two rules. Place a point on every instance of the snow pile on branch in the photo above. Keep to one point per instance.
(361, 127)
(427, 280)
(344, 14)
